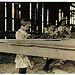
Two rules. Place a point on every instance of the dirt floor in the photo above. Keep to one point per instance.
(7, 66)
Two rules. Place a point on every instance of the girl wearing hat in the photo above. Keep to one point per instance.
(22, 61)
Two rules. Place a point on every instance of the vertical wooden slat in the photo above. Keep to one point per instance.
(9, 19)
(19, 10)
(5, 19)
(40, 17)
(2, 20)
(35, 7)
(12, 16)
(37, 18)
(68, 21)
(2, 17)
(9, 16)
(45, 16)
(16, 17)
(30, 7)
(67, 11)
(33, 17)
(33, 11)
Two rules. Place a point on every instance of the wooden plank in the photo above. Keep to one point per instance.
(57, 43)
(38, 51)
(40, 47)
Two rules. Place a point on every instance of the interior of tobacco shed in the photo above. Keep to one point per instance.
(41, 15)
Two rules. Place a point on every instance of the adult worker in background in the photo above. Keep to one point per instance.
(22, 61)
(49, 32)
(63, 30)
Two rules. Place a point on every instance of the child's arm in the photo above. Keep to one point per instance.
(54, 32)
(27, 36)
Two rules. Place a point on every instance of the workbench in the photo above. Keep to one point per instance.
(52, 48)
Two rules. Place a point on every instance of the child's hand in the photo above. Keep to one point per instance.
(31, 66)
(28, 34)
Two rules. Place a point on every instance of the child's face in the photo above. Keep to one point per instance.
(45, 30)
(51, 28)
(63, 23)
(26, 26)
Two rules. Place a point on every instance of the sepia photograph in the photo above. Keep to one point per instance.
(37, 37)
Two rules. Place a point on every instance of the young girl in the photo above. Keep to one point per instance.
(22, 61)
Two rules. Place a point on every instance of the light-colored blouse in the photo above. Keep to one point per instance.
(22, 61)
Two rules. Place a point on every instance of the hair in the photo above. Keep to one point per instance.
(62, 21)
(24, 20)
(49, 25)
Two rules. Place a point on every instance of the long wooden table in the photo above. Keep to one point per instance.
(53, 48)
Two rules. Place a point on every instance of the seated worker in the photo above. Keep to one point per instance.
(49, 32)
(64, 30)
(22, 61)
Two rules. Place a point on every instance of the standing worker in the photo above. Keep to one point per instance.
(22, 61)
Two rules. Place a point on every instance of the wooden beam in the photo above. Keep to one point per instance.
(58, 43)
(40, 47)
